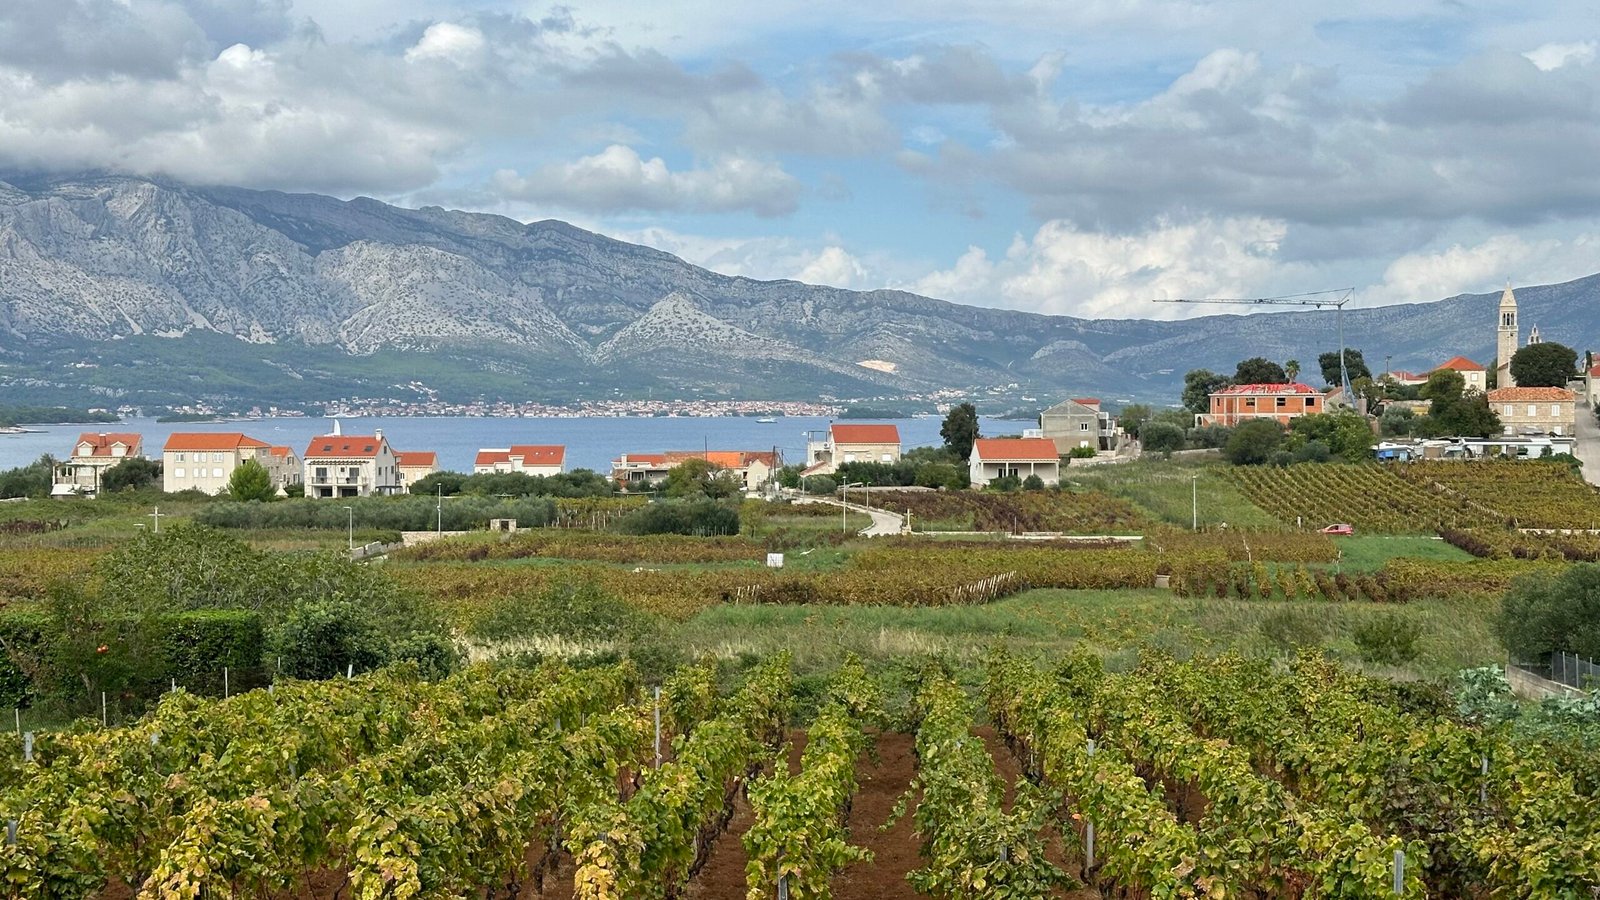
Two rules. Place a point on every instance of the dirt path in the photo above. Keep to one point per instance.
(894, 852)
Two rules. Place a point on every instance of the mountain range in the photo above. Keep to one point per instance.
(118, 289)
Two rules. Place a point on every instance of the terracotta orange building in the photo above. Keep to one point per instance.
(1279, 402)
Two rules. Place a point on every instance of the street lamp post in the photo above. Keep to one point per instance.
(351, 511)
(844, 502)
(1194, 500)
(439, 509)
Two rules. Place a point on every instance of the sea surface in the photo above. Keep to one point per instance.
(591, 442)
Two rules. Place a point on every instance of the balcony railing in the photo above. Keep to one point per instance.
(336, 481)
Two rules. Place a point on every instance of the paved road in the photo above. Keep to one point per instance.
(1588, 433)
(883, 522)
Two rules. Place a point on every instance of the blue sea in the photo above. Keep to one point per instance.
(591, 442)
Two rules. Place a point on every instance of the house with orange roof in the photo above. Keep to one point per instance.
(852, 442)
(1408, 379)
(1080, 422)
(340, 466)
(1591, 386)
(530, 459)
(95, 452)
(1473, 374)
(1535, 410)
(415, 465)
(204, 460)
(1280, 402)
(641, 471)
(995, 458)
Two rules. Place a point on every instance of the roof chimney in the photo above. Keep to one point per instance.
(377, 433)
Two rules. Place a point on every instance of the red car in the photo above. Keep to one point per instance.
(1339, 529)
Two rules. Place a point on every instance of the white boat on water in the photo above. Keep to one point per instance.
(766, 420)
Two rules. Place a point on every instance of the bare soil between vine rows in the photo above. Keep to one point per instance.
(884, 774)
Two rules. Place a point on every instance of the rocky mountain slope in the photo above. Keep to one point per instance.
(106, 281)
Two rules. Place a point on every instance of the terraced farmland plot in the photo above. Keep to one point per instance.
(1520, 494)
(1371, 497)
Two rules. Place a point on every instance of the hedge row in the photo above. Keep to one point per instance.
(191, 647)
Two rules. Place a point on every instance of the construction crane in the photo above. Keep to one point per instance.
(1336, 298)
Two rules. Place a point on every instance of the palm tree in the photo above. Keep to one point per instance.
(1292, 369)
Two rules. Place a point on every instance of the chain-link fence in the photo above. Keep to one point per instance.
(1565, 668)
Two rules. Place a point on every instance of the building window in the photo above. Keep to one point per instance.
(1250, 402)
(178, 472)
(177, 457)
(1083, 426)
(1533, 410)
(1310, 402)
(1283, 402)
(216, 473)
(1555, 411)
(1510, 410)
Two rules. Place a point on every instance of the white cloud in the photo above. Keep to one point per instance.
(449, 42)
(1065, 270)
(618, 179)
(834, 267)
(1554, 56)
(1482, 266)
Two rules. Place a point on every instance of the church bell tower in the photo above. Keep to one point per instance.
(1508, 339)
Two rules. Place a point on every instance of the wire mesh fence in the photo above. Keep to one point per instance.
(1565, 668)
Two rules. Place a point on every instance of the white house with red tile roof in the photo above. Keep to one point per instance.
(530, 459)
(994, 458)
(852, 442)
(204, 460)
(1591, 386)
(415, 465)
(1279, 402)
(1475, 375)
(91, 456)
(639, 471)
(1535, 410)
(350, 465)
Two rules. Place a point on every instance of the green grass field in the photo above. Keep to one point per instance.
(1176, 492)
(1452, 634)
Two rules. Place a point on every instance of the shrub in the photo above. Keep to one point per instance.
(404, 513)
(582, 612)
(24, 636)
(821, 485)
(131, 474)
(697, 517)
(1161, 437)
(1390, 639)
(1006, 485)
(322, 637)
(197, 644)
(1082, 453)
(1290, 628)
(1546, 613)
(1033, 483)
(1253, 442)
(1313, 451)
(251, 482)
